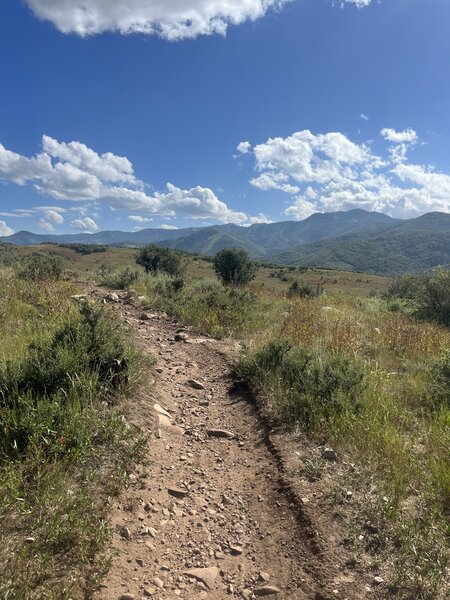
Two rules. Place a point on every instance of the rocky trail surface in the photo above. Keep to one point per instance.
(207, 514)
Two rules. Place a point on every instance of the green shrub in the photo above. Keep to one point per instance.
(7, 256)
(308, 387)
(85, 248)
(427, 295)
(41, 267)
(119, 280)
(176, 285)
(434, 298)
(440, 382)
(304, 290)
(157, 259)
(405, 286)
(234, 267)
(81, 363)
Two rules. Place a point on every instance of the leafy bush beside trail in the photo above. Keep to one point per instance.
(80, 364)
(209, 306)
(306, 387)
(64, 448)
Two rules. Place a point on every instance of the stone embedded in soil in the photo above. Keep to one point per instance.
(207, 575)
(125, 533)
(177, 492)
(197, 385)
(164, 421)
(220, 433)
(181, 337)
(162, 411)
(329, 454)
(236, 550)
(264, 576)
(267, 590)
(127, 597)
(113, 297)
(158, 582)
(378, 580)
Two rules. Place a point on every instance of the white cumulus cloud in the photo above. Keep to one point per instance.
(50, 218)
(399, 137)
(170, 19)
(305, 157)
(5, 230)
(195, 203)
(20, 169)
(168, 227)
(244, 147)
(107, 167)
(73, 171)
(329, 172)
(87, 225)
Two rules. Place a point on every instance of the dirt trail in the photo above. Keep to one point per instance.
(207, 516)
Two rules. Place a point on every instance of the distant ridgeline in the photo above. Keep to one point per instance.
(355, 240)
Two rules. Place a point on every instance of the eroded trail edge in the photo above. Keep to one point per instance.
(208, 513)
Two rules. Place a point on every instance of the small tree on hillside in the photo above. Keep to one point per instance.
(234, 267)
(155, 259)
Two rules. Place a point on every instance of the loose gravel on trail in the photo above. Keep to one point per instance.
(206, 514)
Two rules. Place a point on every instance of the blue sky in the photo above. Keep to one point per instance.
(147, 113)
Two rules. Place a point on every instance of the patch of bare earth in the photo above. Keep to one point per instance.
(211, 513)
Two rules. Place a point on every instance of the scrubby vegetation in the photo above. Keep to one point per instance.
(426, 296)
(40, 267)
(156, 259)
(64, 448)
(85, 248)
(368, 376)
(234, 267)
(209, 306)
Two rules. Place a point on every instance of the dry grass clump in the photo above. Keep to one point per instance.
(398, 424)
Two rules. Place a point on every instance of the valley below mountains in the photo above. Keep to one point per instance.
(354, 240)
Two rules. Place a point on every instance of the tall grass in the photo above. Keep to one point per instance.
(386, 406)
(64, 449)
(212, 308)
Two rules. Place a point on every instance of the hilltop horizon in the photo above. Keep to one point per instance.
(247, 225)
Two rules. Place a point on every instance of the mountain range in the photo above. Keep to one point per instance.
(354, 240)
